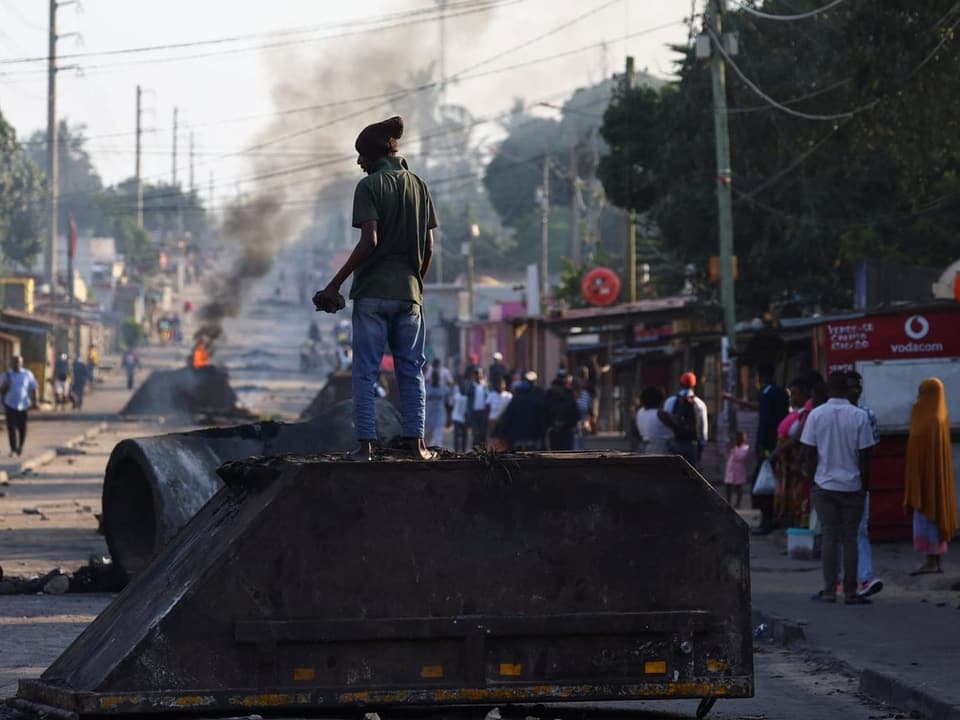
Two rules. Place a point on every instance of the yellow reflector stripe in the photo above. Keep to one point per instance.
(304, 674)
(655, 667)
(431, 672)
(716, 666)
(511, 669)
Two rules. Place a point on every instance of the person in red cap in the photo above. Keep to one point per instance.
(686, 415)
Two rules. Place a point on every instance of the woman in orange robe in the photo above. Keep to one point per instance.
(929, 489)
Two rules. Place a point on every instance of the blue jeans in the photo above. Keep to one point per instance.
(378, 323)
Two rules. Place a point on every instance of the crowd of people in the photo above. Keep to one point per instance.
(506, 409)
(813, 452)
(71, 378)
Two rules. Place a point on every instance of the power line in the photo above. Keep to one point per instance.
(85, 69)
(402, 92)
(785, 18)
(339, 158)
(792, 166)
(947, 35)
(429, 11)
(389, 97)
(718, 43)
(472, 175)
(924, 209)
(798, 98)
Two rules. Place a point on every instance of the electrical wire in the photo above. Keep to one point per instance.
(718, 44)
(432, 10)
(792, 166)
(341, 158)
(390, 97)
(845, 225)
(798, 98)
(85, 69)
(785, 18)
(400, 91)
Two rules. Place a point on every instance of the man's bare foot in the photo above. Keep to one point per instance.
(365, 451)
(418, 448)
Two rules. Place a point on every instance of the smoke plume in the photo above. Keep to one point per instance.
(317, 160)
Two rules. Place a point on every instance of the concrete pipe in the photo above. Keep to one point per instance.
(154, 485)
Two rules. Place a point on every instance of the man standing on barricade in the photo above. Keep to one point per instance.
(395, 215)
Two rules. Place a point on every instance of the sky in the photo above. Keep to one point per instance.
(326, 51)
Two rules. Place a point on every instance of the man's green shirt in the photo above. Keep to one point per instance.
(400, 203)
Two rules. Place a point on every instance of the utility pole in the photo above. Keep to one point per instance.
(173, 170)
(192, 186)
(443, 50)
(137, 169)
(545, 236)
(630, 78)
(52, 151)
(724, 205)
(576, 211)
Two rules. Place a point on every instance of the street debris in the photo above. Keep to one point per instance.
(98, 575)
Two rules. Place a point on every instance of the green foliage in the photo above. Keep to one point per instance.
(131, 332)
(810, 197)
(514, 175)
(568, 290)
(167, 210)
(79, 182)
(135, 243)
(21, 201)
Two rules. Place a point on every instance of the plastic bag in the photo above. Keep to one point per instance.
(815, 522)
(766, 481)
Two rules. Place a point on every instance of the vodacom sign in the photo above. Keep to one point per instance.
(893, 336)
(916, 327)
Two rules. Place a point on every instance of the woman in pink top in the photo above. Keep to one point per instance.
(735, 476)
(791, 499)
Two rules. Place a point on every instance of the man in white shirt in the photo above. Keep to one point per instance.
(837, 439)
(19, 390)
(686, 415)
(497, 400)
(459, 416)
(477, 404)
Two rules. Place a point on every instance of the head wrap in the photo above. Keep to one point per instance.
(929, 479)
(688, 380)
(378, 140)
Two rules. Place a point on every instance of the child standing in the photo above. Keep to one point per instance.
(459, 418)
(735, 476)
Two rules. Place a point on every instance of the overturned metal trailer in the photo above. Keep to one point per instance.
(312, 583)
(154, 485)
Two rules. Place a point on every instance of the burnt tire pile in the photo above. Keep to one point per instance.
(184, 392)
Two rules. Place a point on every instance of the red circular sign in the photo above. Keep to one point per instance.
(600, 286)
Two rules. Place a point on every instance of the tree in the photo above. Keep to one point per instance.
(21, 201)
(168, 211)
(811, 197)
(79, 183)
